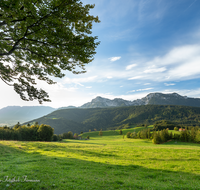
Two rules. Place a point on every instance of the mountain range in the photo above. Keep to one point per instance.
(150, 99)
(12, 114)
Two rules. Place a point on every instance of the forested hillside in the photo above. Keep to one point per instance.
(77, 120)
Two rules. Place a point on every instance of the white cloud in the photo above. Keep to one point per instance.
(140, 90)
(188, 70)
(155, 70)
(114, 58)
(177, 55)
(144, 89)
(109, 77)
(79, 80)
(169, 84)
(180, 63)
(79, 84)
(136, 77)
(130, 66)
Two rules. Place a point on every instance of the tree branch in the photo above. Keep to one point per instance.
(2, 23)
(6, 82)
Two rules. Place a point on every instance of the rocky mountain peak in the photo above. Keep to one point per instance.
(99, 99)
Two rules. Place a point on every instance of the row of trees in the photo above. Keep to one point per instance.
(27, 133)
(143, 134)
(66, 135)
(186, 135)
(34, 132)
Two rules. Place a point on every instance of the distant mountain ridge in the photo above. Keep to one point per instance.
(10, 115)
(150, 99)
(104, 102)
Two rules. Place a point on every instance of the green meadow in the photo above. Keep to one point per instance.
(107, 162)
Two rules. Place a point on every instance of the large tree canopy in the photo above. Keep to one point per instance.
(40, 39)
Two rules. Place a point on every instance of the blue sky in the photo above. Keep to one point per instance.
(146, 46)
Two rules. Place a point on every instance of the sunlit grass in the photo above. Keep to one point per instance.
(107, 162)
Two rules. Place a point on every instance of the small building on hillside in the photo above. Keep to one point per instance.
(181, 129)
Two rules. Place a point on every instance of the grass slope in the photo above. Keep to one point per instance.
(107, 162)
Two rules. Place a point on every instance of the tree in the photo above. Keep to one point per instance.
(149, 133)
(100, 133)
(192, 134)
(45, 132)
(24, 133)
(40, 39)
(156, 138)
(175, 128)
(76, 136)
(34, 132)
(55, 137)
(128, 135)
(68, 135)
(197, 137)
(17, 126)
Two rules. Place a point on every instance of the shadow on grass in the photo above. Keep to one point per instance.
(55, 172)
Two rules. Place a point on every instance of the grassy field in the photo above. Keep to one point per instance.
(107, 162)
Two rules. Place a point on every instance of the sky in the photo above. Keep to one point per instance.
(146, 46)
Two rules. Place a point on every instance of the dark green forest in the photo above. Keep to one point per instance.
(77, 120)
